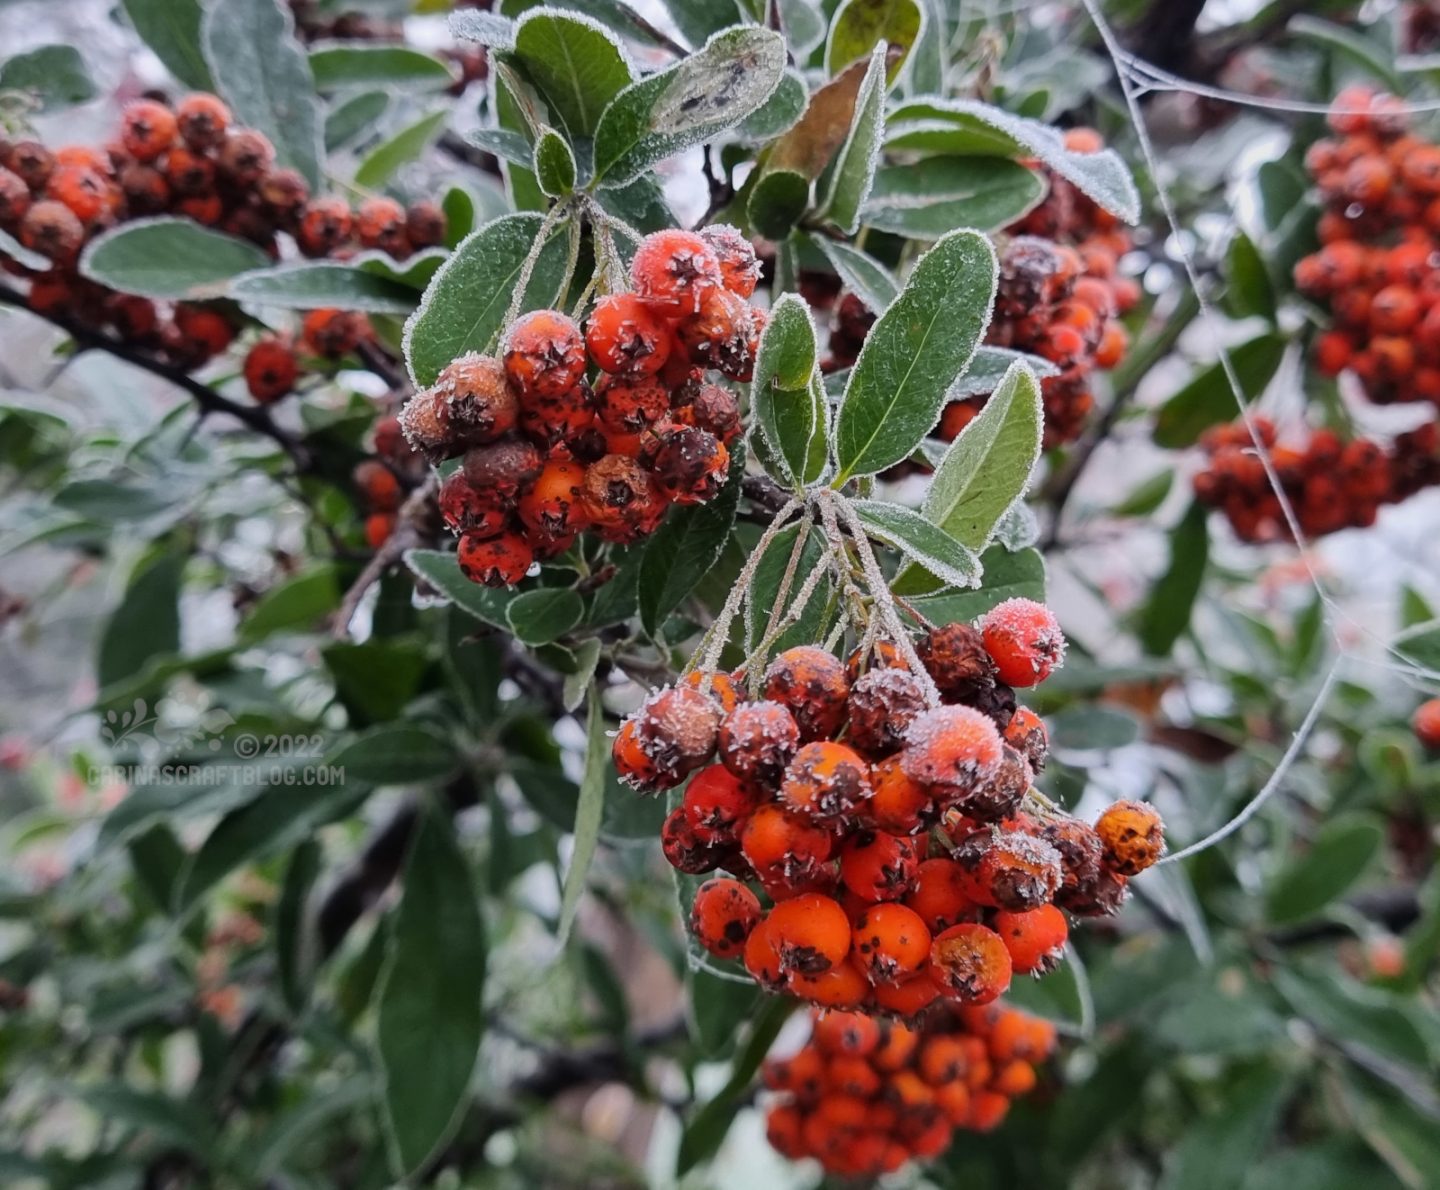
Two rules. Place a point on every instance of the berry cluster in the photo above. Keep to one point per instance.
(384, 480)
(825, 796)
(863, 1097)
(1380, 240)
(548, 455)
(1330, 484)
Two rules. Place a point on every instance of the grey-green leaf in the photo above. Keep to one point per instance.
(777, 200)
(913, 354)
(430, 1019)
(789, 405)
(714, 88)
(171, 259)
(172, 29)
(263, 73)
(920, 541)
(589, 813)
(368, 64)
(353, 117)
(1341, 853)
(926, 199)
(466, 300)
(554, 164)
(578, 65)
(863, 275)
(539, 617)
(852, 174)
(1017, 575)
(441, 572)
(323, 284)
(471, 24)
(54, 76)
(407, 145)
(804, 25)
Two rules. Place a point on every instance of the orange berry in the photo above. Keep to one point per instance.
(1394, 310)
(620, 500)
(717, 334)
(879, 867)
(553, 506)
(851, 1076)
(757, 742)
(202, 121)
(1426, 723)
(1023, 640)
(500, 561)
(1009, 869)
(466, 509)
(672, 269)
(1035, 938)
(147, 129)
(762, 957)
(1133, 837)
(812, 684)
(676, 726)
(897, 804)
(907, 997)
(969, 964)
(690, 465)
(544, 355)
(333, 333)
(270, 370)
(717, 804)
(840, 986)
(1026, 734)
(988, 1110)
(87, 192)
(624, 335)
(951, 750)
(474, 405)
(378, 527)
(783, 1130)
(683, 851)
(712, 408)
(53, 230)
(825, 781)
(324, 226)
(1015, 1079)
(720, 687)
(724, 913)
(890, 942)
(938, 895)
(773, 838)
(208, 331)
(380, 223)
(846, 1034)
(811, 933)
(739, 267)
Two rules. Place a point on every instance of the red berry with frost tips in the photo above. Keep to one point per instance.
(502, 470)
(544, 355)
(714, 409)
(954, 656)
(466, 509)
(621, 501)
(969, 964)
(53, 230)
(690, 466)
(882, 704)
(627, 404)
(552, 506)
(270, 370)
(825, 781)
(500, 561)
(879, 867)
(147, 129)
(324, 226)
(202, 121)
(757, 742)
(624, 335)
(1081, 855)
(682, 849)
(951, 750)
(1024, 640)
(1426, 723)
(938, 894)
(890, 942)
(722, 916)
(999, 795)
(1034, 938)
(1026, 733)
(897, 804)
(717, 335)
(812, 684)
(776, 839)
(672, 269)
(480, 404)
(380, 224)
(676, 727)
(1009, 869)
(717, 804)
(719, 686)
(739, 267)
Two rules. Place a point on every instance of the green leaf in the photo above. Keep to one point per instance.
(1166, 615)
(615, 15)
(354, 116)
(170, 259)
(407, 145)
(787, 397)
(295, 940)
(862, 275)
(986, 469)
(172, 29)
(271, 1148)
(861, 25)
(1217, 1151)
(262, 72)
(16, 251)
(925, 200)
(1085, 728)
(920, 541)
(554, 164)
(1208, 400)
(685, 547)
(713, 89)
(147, 622)
(700, 19)
(467, 299)
(53, 76)
(375, 678)
(989, 366)
(320, 284)
(430, 1019)
(539, 617)
(777, 201)
(913, 354)
(1008, 575)
(717, 1008)
(1347, 1012)
(178, 1122)
(1146, 496)
(1247, 280)
(367, 64)
(1421, 644)
(442, 572)
(803, 24)
(589, 811)
(299, 602)
(469, 24)
(1341, 853)
(927, 64)
(578, 65)
(852, 175)
(779, 112)
(1364, 52)
(397, 754)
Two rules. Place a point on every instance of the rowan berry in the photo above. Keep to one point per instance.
(14, 199)
(672, 270)
(774, 839)
(333, 333)
(988, 1110)
(890, 942)
(682, 849)
(879, 867)
(503, 470)
(757, 742)
(724, 913)
(1080, 853)
(1133, 837)
(677, 726)
(245, 155)
(882, 704)
(202, 121)
(951, 750)
(624, 335)
(720, 686)
(852, 1076)
(53, 230)
(500, 561)
(620, 500)
(717, 804)
(567, 418)
(425, 224)
(270, 370)
(897, 804)
(628, 404)
(714, 409)
(31, 162)
(378, 485)
(477, 404)
(1000, 794)
(717, 335)
(761, 957)
(1035, 938)
(380, 223)
(208, 330)
(783, 1131)
(846, 1034)
(811, 683)
(135, 318)
(841, 986)
(1023, 640)
(969, 964)
(1017, 1035)
(324, 226)
(1026, 733)
(937, 894)
(825, 781)
(954, 655)
(466, 509)
(802, 1074)
(552, 506)
(378, 528)
(284, 193)
(144, 188)
(907, 997)
(739, 267)
(689, 465)
(544, 355)
(1009, 869)
(1426, 723)
(810, 932)
(206, 209)
(147, 129)
(1102, 896)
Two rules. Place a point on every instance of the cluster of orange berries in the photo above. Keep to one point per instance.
(1426, 723)
(1330, 484)
(548, 454)
(1380, 245)
(386, 478)
(863, 1097)
(893, 839)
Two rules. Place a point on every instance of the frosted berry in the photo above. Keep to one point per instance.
(1035, 938)
(467, 509)
(620, 499)
(758, 740)
(624, 335)
(500, 561)
(690, 466)
(202, 121)
(552, 506)
(810, 932)
(147, 129)
(1133, 837)
(969, 964)
(812, 684)
(951, 750)
(544, 354)
(825, 781)
(672, 269)
(504, 469)
(882, 704)
(739, 267)
(1024, 640)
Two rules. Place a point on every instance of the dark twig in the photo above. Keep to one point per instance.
(406, 535)
(765, 492)
(255, 417)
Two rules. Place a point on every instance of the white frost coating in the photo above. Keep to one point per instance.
(253, 285)
(921, 541)
(1018, 528)
(557, 16)
(931, 737)
(763, 397)
(865, 277)
(487, 28)
(1014, 617)
(863, 140)
(1100, 176)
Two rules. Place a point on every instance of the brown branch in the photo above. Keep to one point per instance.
(254, 417)
(405, 536)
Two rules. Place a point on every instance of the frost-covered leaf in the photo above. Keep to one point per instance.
(713, 89)
(554, 164)
(862, 275)
(913, 354)
(539, 617)
(589, 814)
(789, 404)
(52, 76)
(466, 300)
(313, 286)
(353, 117)
(852, 175)
(966, 126)
(1018, 528)
(172, 29)
(808, 147)
(927, 59)
(926, 199)
(859, 25)
(167, 258)
(779, 112)
(777, 200)
(487, 28)
(803, 24)
(1019, 575)
(765, 590)
(441, 572)
(509, 146)
(577, 64)
(407, 145)
(989, 366)
(369, 64)
(920, 541)
(263, 73)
